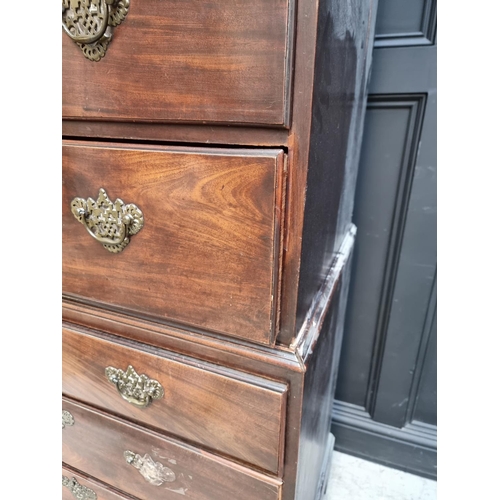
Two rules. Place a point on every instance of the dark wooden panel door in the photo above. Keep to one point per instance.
(385, 406)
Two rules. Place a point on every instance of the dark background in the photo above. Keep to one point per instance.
(385, 407)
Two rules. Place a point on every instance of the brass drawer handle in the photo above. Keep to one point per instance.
(111, 224)
(90, 23)
(67, 419)
(153, 472)
(79, 491)
(138, 390)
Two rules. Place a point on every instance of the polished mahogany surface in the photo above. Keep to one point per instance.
(84, 483)
(208, 254)
(217, 61)
(97, 443)
(231, 412)
(235, 128)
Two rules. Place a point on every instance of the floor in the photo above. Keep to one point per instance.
(355, 479)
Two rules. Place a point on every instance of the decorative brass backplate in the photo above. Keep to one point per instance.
(138, 390)
(79, 491)
(153, 472)
(109, 223)
(67, 419)
(90, 23)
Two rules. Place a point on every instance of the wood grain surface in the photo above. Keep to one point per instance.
(272, 363)
(223, 61)
(102, 491)
(208, 254)
(193, 133)
(96, 444)
(230, 412)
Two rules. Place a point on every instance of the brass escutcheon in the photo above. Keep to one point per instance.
(90, 23)
(111, 224)
(79, 491)
(138, 390)
(67, 419)
(153, 472)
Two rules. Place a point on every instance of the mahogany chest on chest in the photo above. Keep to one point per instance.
(209, 158)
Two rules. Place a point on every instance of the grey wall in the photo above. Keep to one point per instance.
(385, 408)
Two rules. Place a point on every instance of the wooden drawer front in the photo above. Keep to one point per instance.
(233, 413)
(176, 60)
(84, 484)
(208, 253)
(96, 443)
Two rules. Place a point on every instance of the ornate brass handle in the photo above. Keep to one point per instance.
(67, 419)
(79, 491)
(138, 390)
(153, 472)
(89, 23)
(109, 223)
